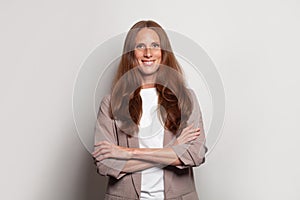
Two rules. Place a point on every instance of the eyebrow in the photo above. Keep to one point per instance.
(144, 43)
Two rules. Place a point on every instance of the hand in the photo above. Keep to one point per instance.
(188, 134)
(110, 150)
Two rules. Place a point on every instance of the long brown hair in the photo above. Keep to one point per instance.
(173, 96)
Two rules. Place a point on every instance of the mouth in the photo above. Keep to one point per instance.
(148, 62)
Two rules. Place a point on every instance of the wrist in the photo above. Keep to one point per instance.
(134, 153)
(140, 153)
(129, 152)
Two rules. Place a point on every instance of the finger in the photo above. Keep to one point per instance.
(196, 134)
(101, 152)
(193, 136)
(100, 148)
(196, 130)
(105, 154)
(188, 132)
(95, 152)
(104, 151)
(101, 143)
(101, 157)
(190, 139)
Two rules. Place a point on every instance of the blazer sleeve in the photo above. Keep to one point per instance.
(192, 154)
(105, 130)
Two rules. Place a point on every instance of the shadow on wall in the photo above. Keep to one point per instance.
(96, 184)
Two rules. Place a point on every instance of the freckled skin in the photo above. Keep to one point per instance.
(148, 53)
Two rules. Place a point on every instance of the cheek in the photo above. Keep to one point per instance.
(157, 54)
(138, 55)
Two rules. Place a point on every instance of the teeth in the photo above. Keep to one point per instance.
(148, 62)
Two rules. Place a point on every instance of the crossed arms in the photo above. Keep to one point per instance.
(188, 150)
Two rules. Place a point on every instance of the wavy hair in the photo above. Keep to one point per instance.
(173, 96)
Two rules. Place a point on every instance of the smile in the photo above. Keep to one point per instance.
(148, 62)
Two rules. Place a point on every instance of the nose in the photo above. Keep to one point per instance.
(147, 53)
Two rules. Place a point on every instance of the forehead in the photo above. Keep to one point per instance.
(147, 35)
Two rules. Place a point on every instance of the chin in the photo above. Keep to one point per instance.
(148, 70)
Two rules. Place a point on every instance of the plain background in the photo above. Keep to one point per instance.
(254, 44)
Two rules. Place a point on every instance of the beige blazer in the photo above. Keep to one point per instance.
(178, 180)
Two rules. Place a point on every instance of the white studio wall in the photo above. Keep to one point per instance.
(254, 45)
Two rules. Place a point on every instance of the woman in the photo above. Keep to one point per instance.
(149, 133)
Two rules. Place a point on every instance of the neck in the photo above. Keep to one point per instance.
(148, 85)
(148, 81)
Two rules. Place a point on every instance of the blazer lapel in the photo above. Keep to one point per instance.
(133, 142)
(169, 139)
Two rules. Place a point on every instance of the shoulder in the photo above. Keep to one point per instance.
(105, 101)
(106, 98)
(104, 106)
(192, 95)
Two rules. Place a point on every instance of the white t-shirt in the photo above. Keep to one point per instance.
(151, 135)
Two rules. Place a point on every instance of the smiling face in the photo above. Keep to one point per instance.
(147, 53)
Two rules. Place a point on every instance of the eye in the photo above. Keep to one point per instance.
(140, 46)
(155, 45)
